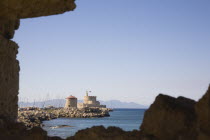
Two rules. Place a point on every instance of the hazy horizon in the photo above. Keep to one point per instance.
(61, 103)
(120, 50)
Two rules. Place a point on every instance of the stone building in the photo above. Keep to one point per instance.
(71, 102)
(90, 101)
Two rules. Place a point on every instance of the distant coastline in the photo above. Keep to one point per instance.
(115, 104)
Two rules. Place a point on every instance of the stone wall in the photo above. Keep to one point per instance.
(8, 27)
(11, 11)
(9, 69)
(9, 79)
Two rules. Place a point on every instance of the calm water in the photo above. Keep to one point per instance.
(127, 119)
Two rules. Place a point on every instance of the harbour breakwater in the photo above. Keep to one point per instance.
(32, 117)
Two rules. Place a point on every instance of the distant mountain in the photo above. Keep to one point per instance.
(119, 104)
(54, 102)
(61, 103)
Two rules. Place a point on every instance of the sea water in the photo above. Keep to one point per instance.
(127, 119)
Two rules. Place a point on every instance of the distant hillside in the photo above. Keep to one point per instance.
(119, 104)
(54, 102)
(61, 102)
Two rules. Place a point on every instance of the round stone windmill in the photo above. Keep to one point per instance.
(71, 102)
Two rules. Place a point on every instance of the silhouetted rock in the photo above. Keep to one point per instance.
(203, 115)
(170, 118)
(101, 133)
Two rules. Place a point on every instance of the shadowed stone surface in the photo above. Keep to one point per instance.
(9, 79)
(170, 118)
(18, 9)
(101, 133)
(203, 114)
(17, 131)
(11, 11)
(8, 27)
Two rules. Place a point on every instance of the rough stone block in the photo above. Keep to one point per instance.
(8, 27)
(203, 115)
(9, 79)
(170, 118)
(14, 9)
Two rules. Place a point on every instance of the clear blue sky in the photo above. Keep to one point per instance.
(130, 50)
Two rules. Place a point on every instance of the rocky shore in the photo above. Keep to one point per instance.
(33, 117)
(168, 118)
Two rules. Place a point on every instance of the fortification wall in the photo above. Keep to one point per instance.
(80, 105)
(89, 99)
(86, 99)
(92, 98)
(102, 106)
(97, 103)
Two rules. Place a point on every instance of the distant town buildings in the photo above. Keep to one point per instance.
(89, 101)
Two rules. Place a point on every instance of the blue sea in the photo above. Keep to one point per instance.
(127, 119)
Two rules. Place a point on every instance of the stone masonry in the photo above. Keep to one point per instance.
(9, 79)
(11, 11)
